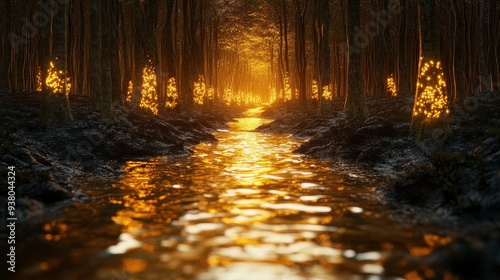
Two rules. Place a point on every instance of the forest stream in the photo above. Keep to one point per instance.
(244, 207)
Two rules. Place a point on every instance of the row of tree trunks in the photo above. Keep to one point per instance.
(186, 39)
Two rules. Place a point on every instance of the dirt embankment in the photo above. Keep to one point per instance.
(450, 179)
(454, 171)
(48, 161)
(383, 141)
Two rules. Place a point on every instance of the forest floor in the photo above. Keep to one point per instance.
(450, 179)
(52, 164)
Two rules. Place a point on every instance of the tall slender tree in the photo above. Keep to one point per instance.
(429, 70)
(322, 61)
(300, 8)
(355, 103)
(95, 55)
(107, 48)
(4, 45)
(459, 54)
(55, 104)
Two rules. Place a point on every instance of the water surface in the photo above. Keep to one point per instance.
(244, 207)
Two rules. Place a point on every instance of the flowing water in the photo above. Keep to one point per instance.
(244, 207)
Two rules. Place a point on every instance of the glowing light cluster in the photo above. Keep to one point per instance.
(432, 101)
(149, 98)
(56, 82)
(129, 91)
(288, 89)
(39, 82)
(172, 94)
(200, 89)
(232, 97)
(315, 90)
(327, 91)
(228, 96)
(391, 86)
(201, 92)
(272, 95)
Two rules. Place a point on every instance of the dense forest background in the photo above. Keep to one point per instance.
(165, 54)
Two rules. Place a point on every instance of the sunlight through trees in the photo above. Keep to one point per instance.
(303, 53)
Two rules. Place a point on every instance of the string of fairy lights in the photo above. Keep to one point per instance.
(432, 101)
(327, 92)
(55, 80)
(391, 86)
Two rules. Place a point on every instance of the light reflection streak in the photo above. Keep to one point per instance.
(244, 203)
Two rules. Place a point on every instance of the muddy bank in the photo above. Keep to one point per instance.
(460, 166)
(383, 141)
(440, 178)
(51, 163)
(336, 136)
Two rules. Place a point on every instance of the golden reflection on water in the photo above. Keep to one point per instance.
(247, 205)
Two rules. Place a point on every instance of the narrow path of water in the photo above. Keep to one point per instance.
(245, 207)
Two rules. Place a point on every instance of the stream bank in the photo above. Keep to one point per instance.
(451, 180)
(52, 164)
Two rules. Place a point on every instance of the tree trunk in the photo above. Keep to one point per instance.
(430, 54)
(139, 59)
(324, 75)
(285, 35)
(355, 104)
(95, 56)
(300, 48)
(106, 78)
(459, 59)
(188, 49)
(404, 71)
(55, 109)
(5, 47)
(77, 39)
(484, 79)
(114, 58)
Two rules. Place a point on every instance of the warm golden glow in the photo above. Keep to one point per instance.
(432, 101)
(172, 95)
(315, 90)
(39, 82)
(138, 203)
(391, 86)
(272, 95)
(149, 98)
(327, 92)
(202, 93)
(200, 90)
(129, 91)
(239, 98)
(288, 89)
(433, 242)
(55, 231)
(436, 241)
(134, 265)
(244, 200)
(55, 80)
